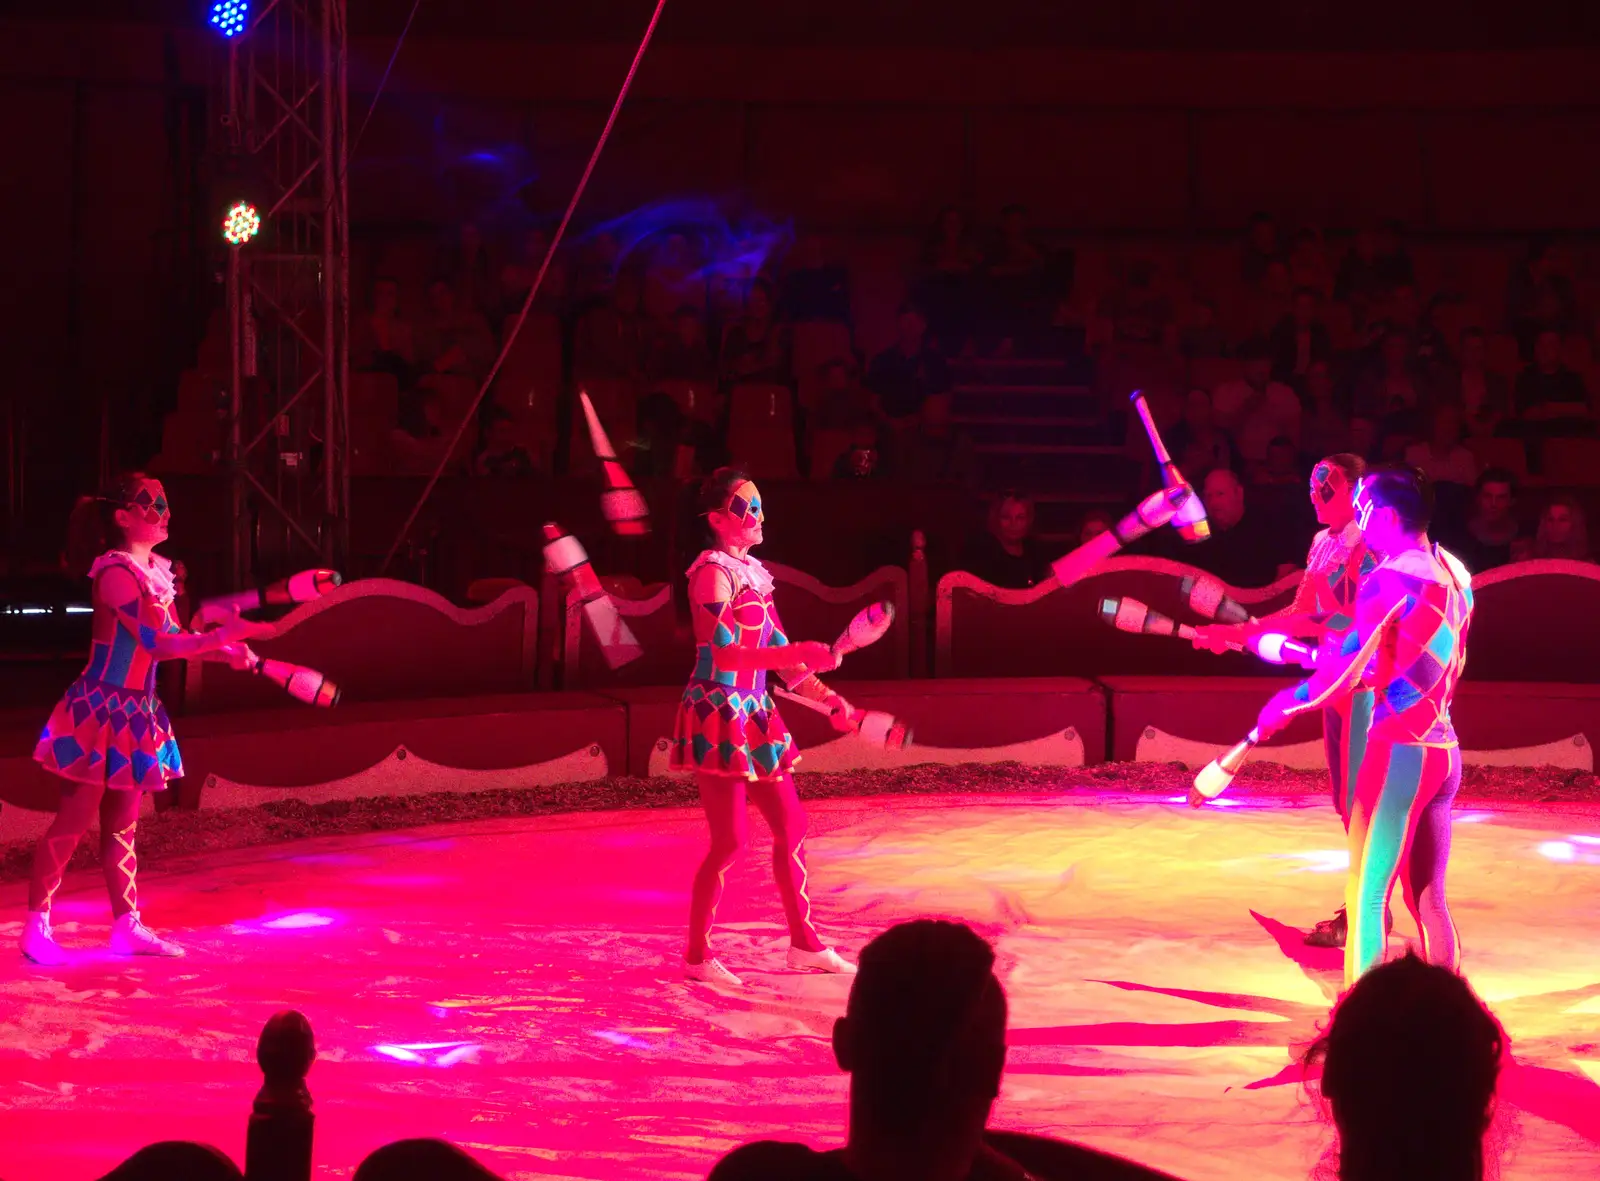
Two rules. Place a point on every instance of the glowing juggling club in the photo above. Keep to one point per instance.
(1208, 598)
(565, 557)
(876, 728)
(1216, 775)
(621, 502)
(301, 683)
(1190, 520)
(304, 587)
(870, 625)
(1154, 511)
(1130, 615)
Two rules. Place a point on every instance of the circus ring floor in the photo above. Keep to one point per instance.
(510, 985)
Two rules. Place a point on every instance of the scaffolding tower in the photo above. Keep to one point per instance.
(287, 444)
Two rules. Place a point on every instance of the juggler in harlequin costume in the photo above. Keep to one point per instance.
(109, 739)
(729, 732)
(1416, 605)
(1324, 610)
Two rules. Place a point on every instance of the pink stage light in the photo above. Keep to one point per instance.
(300, 920)
(428, 1053)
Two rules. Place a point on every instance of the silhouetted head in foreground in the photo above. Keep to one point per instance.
(1409, 1068)
(416, 1160)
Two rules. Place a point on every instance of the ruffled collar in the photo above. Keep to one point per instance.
(745, 571)
(155, 579)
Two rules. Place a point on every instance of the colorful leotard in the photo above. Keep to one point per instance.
(110, 728)
(1335, 566)
(1399, 826)
(727, 722)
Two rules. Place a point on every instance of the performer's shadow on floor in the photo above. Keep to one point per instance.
(1313, 961)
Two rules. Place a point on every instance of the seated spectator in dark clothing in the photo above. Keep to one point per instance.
(610, 341)
(1139, 314)
(864, 459)
(419, 441)
(662, 428)
(1271, 301)
(1491, 532)
(453, 339)
(1308, 263)
(923, 1039)
(1396, 387)
(1260, 250)
(1540, 296)
(1300, 340)
(1375, 266)
(1281, 468)
(382, 340)
(1254, 407)
(1095, 522)
(1442, 458)
(936, 450)
(815, 288)
(1245, 549)
(1202, 336)
(1409, 1070)
(501, 455)
(948, 281)
(1006, 554)
(1324, 427)
(904, 375)
(1563, 531)
(842, 401)
(1364, 437)
(1547, 390)
(1484, 398)
(517, 276)
(464, 263)
(1197, 443)
(682, 354)
(756, 349)
(176, 1160)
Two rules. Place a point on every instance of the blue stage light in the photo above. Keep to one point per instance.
(229, 17)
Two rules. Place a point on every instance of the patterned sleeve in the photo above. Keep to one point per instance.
(711, 603)
(117, 589)
(1380, 602)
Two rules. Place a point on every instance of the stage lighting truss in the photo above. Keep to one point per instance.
(241, 224)
(229, 17)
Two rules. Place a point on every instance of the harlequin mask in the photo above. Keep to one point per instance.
(1328, 482)
(151, 504)
(1364, 504)
(745, 504)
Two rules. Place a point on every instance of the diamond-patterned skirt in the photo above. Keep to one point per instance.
(105, 734)
(728, 731)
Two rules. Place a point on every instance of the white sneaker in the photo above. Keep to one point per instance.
(129, 936)
(826, 960)
(712, 972)
(39, 942)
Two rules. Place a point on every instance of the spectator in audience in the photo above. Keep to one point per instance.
(1540, 296)
(1324, 428)
(1364, 437)
(421, 1160)
(1260, 248)
(1547, 390)
(1410, 1064)
(1563, 531)
(682, 353)
(1095, 522)
(842, 401)
(384, 342)
(863, 459)
(454, 340)
(815, 288)
(673, 277)
(1139, 313)
(948, 282)
(1198, 443)
(1491, 530)
(1375, 265)
(1272, 301)
(419, 441)
(1282, 465)
(1245, 549)
(1442, 458)
(904, 375)
(756, 349)
(610, 341)
(1006, 554)
(500, 454)
(1308, 263)
(176, 1160)
(1256, 408)
(464, 263)
(1484, 397)
(517, 276)
(923, 1039)
(1300, 339)
(1202, 336)
(936, 450)
(594, 274)
(1016, 275)
(1395, 389)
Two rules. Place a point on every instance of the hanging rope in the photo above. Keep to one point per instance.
(538, 279)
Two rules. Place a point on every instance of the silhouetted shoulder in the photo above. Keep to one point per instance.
(774, 1160)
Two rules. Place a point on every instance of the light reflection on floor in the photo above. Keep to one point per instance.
(511, 985)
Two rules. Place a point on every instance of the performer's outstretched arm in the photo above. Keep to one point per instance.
(115, 587)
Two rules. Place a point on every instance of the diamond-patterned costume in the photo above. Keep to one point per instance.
(727, 722)
(110, 728)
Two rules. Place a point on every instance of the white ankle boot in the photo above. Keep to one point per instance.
(39, 942)
(129, 936)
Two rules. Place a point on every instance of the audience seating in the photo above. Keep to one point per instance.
(1493, 451)
(761, 430)
(1571, 461)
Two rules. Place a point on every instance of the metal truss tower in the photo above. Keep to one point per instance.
(287, 442)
